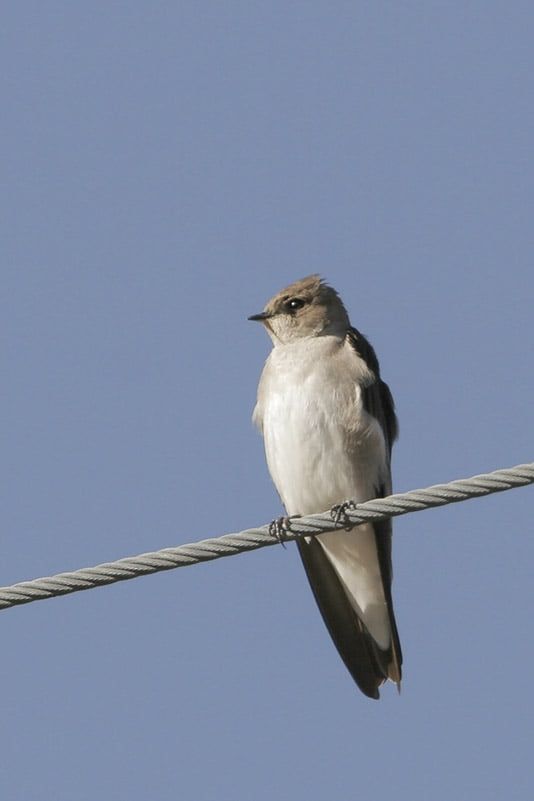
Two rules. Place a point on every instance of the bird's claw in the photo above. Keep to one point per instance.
(338, 513)
(278, 529)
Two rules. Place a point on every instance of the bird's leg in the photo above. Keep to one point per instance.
(278, 529)
(338, 513)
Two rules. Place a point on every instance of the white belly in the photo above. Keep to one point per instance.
(323, 448)
(314, 458)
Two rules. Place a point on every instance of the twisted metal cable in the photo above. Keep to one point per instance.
(203, 551)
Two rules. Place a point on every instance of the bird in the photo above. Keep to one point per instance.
(328, 423)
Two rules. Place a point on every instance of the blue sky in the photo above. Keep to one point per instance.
(166, 169)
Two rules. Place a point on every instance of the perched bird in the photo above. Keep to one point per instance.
(328, 423)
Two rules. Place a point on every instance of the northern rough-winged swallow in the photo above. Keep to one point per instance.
(328, 423)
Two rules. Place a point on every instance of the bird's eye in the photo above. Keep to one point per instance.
(294, 303)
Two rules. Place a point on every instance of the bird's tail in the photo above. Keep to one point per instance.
(368, 662)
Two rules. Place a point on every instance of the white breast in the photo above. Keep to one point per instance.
(323, 448)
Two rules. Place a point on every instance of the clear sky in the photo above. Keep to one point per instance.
(166, 168)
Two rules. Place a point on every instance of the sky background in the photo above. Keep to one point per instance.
(166, 168)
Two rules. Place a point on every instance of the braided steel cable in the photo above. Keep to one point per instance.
(230, 544)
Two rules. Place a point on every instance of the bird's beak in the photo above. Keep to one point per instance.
(260, 318)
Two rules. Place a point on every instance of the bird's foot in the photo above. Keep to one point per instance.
(338, 513)
(279, 528)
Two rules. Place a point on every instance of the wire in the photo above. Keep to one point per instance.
(169, 558)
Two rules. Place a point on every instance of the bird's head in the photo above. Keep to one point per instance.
(307, 308)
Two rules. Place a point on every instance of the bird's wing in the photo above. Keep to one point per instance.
(377, 396)
(369, 664)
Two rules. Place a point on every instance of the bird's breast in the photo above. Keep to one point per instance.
(321, 445)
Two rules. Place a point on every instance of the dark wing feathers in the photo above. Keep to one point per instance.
(345, 627)
(377, 396)
(366, 662)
